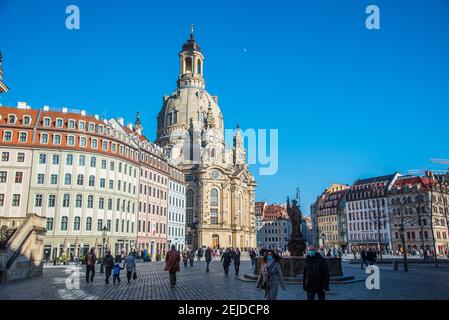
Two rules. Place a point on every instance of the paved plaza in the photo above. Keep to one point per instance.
(421, 282)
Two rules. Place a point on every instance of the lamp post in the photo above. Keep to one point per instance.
(104, 232)
(401, 233)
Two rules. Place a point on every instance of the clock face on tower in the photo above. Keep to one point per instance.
(214, 174)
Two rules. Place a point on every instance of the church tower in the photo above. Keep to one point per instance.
(191, 64)
(220, 192)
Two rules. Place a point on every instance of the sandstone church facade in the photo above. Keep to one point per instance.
(220, 194)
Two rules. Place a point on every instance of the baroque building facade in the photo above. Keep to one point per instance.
(220, 193)
(86, 176)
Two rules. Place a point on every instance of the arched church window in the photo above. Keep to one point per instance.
(188, 64)
(198, 66)
(214, 197)
(175, 116)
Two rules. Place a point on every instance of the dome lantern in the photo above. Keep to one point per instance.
(191, 64)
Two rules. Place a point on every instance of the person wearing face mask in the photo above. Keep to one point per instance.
(316, 275)
(270, 276)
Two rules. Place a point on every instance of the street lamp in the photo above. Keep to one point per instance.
(401, 233)
(104, 232)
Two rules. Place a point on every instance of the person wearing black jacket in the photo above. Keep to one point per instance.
(108, 264)
(316, 275)
(226, 259)
(208, 256)
(236, 258)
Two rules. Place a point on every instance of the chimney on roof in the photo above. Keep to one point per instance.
(120, 121)
(83, 113)
(64, 110)
(46, 108)
(130, 126)
(21, 105)
(97, 117)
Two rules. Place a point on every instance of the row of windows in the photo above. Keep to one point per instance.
(71, 140)
(175, 232)
(366, 215)
(127, 187)
(368, 236)
(367, 226)
(143, 226)
(93, 163)
(175, 201)
(15, 200)
(176, 216)
(276, 231)
(6, 157)
(368, 204)
(88, 225)
(152, 208)
(18, 177)
(121, 205)
(157, 193)
(275, 239)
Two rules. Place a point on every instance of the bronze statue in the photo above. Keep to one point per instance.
(296, 243)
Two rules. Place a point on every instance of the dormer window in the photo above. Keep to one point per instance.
(47, 122)
(91, 127)
(71, 140)
(104, 145)
(81, 125)
(108, 131)
(7, 136)
(71, 124)
(83, 142)
(44, 138)
(26, 120)
(59, 123)
(100, 129)
(12, 119)
(57, 139)
(94, 143)
(23, 136)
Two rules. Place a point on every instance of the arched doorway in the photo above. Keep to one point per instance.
(215, 241)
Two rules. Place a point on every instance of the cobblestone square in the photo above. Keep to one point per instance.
(421, 282)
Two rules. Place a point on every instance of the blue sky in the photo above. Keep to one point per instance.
(348, 102)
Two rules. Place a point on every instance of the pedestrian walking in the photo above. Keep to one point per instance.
(270, 275)
(191, 258)
(208, 256)
(90, 260)
(200, 254)
(363, 258)
(236, 258)
(108, 264)
(130, 263)
(226, 259)
(252, 255)
(172, 259)
(184, 258)
(116, 273)
(316, 275)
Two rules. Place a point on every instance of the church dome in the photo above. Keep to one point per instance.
(191, 45)
(186, 106)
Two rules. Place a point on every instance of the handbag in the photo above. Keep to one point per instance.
(134, 276)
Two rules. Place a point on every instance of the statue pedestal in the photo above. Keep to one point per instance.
(293, 267)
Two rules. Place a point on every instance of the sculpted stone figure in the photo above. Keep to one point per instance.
(296, 244)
